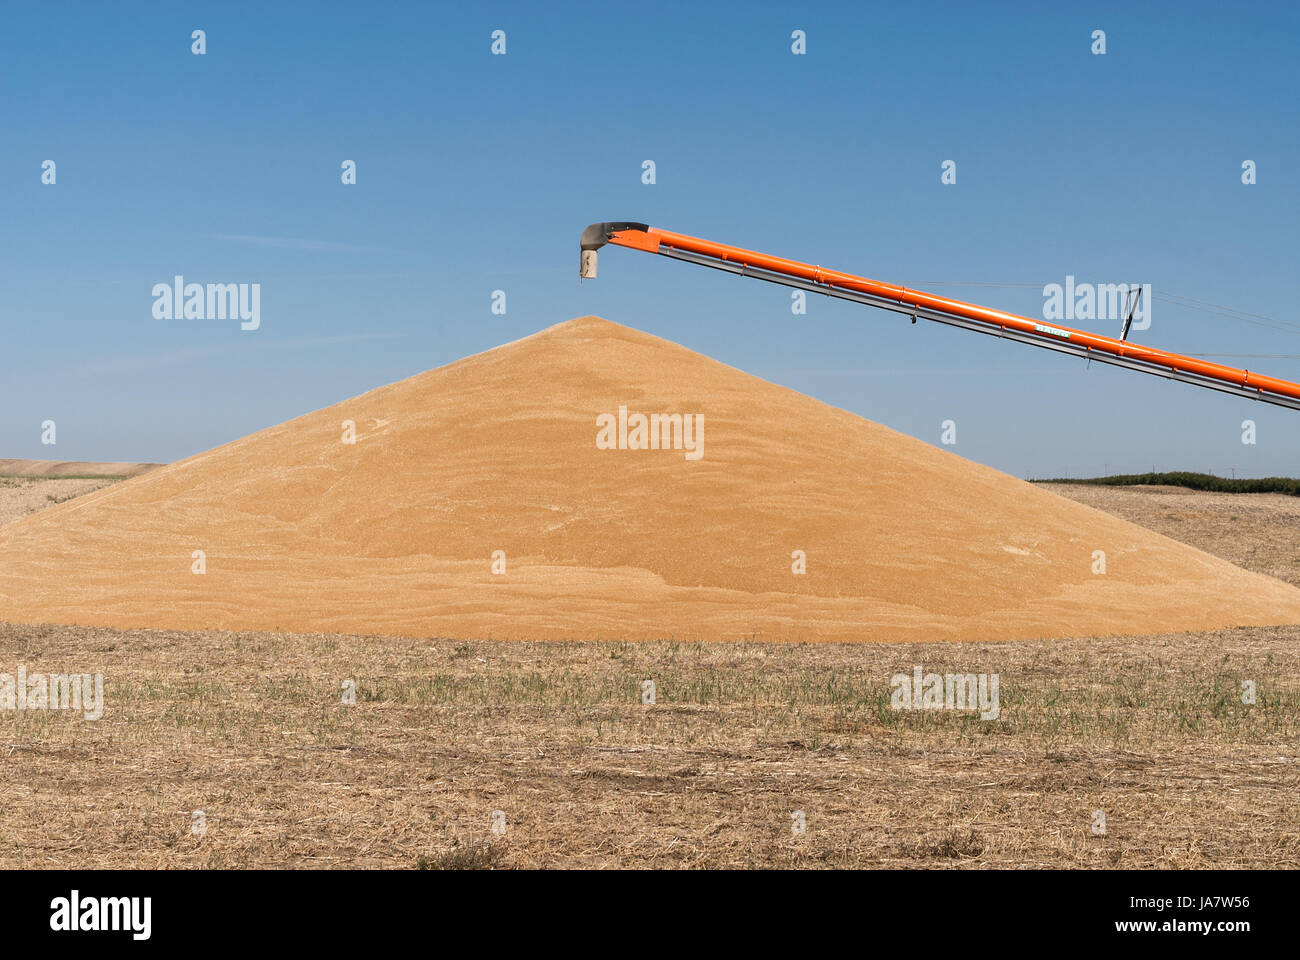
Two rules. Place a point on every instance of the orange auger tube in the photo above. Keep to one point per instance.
(640, 236)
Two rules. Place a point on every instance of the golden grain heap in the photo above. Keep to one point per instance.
(504, 496)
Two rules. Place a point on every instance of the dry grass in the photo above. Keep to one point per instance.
(251, 729)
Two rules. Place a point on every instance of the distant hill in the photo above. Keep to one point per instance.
(1193, 481)
(73, 469)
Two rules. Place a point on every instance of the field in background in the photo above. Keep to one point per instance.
(27, 486)
(1258, 531)
(251, 730)
(20, 496)
(74, 469)
(1193, 481)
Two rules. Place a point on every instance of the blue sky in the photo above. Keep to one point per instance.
(477, 172)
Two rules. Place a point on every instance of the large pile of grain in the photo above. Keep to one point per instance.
(397, 532)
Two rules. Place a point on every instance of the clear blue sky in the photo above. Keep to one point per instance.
(477, 172)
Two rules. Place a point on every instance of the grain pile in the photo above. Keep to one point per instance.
(497, 456)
